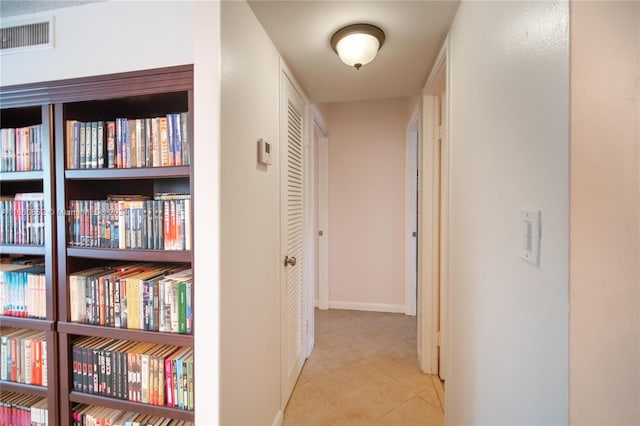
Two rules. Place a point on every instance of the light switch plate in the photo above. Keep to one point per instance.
(530, 245)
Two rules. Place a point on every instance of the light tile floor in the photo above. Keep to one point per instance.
(363, 371)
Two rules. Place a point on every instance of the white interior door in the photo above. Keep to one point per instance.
(292, 239)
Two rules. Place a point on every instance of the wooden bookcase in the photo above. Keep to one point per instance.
(139, 94)
(22, 112)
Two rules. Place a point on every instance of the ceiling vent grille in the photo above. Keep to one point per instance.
(27, 36)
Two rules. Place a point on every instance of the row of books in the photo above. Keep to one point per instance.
(20, 409)
(22, 219)
(92, 415)
(132, 223)
(147, 373)
(23, 290)
(128, 142)
(21, 149)
(141, 296)
(23, 356)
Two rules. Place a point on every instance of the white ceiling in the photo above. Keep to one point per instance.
(415, 31)
(26, 7)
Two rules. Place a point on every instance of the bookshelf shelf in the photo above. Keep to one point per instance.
(22, 388)
(128, 254)
(154, 410)
(22, 249)
(135, 173)
(21, 176)
(126, 334)
(30, 323)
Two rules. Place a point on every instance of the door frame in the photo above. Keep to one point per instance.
(322, 176)
(433, 258)
(412, 145)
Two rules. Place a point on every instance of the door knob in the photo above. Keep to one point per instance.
(289, 260)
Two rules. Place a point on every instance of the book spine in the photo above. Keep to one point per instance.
(171, 141)
(177, 131)
(101, 144)
(168, 380)
(189, 307)
(164, 143)
(83, 145)
(124, 312)
(111, 144)
(119, 143)
(155, 142)
(182, 308)
(76, 145)
(134, 142)
(94, 145)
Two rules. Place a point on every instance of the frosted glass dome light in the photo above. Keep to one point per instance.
(357, 44)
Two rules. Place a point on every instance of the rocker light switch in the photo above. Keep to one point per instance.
(530, 246)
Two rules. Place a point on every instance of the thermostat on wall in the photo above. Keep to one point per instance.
(264, 152)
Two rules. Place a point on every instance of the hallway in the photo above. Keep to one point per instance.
(363, 370)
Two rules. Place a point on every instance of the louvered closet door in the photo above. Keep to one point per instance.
(293, 230)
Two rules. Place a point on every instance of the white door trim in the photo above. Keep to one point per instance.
(309, 231)
(411, 205)
(323, 223)
(431, 263)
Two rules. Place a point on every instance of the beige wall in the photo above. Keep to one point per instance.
(508, 319)
(605, 214)
(366, 203)
(105, 37)
(249, 226)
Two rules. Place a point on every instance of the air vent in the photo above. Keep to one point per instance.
(18, 37)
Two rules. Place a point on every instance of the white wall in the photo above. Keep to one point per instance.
(367, 203)
(206, 160)
(250, 218)
(605, 213)
(509, 135)
(107, 37)
(111, 37)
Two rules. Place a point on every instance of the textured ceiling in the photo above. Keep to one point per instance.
(25, 7)
(415, 31)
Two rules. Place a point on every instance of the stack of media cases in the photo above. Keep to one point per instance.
(23, 287)
(21, 149)
(147, 373)
(24, 356)
(22, 219)
(90, 415)
(21, 409)
(136, 296)
(128, 143)
(132, 222)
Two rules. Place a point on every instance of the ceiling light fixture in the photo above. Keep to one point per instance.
(357, 44)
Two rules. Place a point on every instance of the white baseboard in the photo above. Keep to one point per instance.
(315, 303)
(375, 307)
(279, 418)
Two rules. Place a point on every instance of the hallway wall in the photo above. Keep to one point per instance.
(367, 203)
(249, 222)
(605, 213)
(509, 131)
